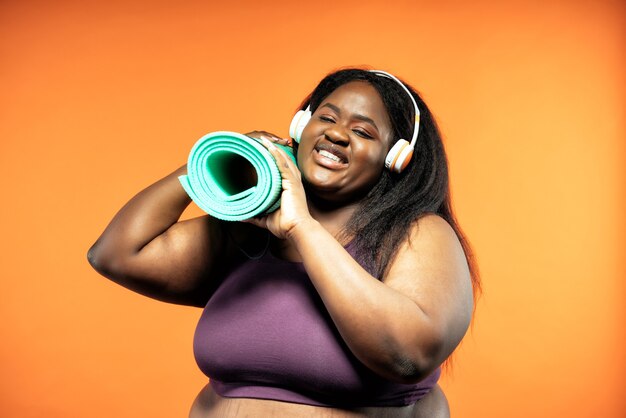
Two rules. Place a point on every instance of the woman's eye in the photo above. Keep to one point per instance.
(362, 133)
(326, 118)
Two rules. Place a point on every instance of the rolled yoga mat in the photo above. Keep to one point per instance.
(233, 177)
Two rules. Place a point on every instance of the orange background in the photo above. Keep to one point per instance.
(99, 100)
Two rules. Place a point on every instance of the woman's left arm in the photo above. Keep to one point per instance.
(405, 326)
(402, 327)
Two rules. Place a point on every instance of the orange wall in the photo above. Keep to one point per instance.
(97, 101)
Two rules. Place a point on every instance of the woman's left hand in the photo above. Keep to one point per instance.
(293, 209)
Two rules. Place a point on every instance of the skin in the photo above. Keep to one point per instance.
(404, 325)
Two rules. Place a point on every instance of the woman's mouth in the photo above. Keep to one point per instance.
(331, 155)
(327, 154)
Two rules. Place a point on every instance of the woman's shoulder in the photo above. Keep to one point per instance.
(432, 226)
(432, 245)
(432, 270)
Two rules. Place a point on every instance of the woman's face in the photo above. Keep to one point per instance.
(342, 149)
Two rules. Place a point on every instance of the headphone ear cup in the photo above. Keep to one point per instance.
(399, 156)
(299, 121)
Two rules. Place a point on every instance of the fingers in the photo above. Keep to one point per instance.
(270, 137)
(285, 164)
(282, 141)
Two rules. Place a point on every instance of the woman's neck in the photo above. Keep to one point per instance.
(333, 217)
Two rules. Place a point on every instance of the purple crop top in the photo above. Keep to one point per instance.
(266, 334)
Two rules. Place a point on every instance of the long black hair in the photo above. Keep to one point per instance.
(384, 217)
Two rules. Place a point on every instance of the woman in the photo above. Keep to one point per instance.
(342, 303)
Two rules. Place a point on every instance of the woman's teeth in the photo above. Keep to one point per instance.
(330, 156)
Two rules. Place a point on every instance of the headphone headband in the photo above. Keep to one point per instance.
(417, 110)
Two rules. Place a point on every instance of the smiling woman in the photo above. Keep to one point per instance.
(347, 148)
(365, 286)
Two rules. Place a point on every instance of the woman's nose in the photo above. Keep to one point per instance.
(337, 134)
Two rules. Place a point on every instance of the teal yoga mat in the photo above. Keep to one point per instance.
(233, 177)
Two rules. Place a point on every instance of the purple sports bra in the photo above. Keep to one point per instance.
(266, 334)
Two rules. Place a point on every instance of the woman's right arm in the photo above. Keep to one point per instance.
(146, 249)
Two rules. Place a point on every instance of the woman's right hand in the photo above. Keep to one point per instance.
(270, 137)
(148, 250)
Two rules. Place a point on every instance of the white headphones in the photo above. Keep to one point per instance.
(398, 156)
